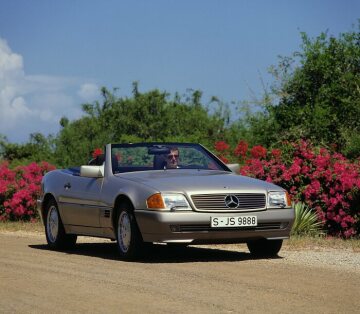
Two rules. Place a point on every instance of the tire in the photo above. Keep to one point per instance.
(54, 229)
(129, 240)
(264, 247)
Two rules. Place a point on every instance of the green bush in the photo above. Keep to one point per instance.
(306, 221)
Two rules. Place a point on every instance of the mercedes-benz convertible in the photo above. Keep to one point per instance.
(173, 193)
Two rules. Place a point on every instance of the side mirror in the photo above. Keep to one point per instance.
(92, 171)
(234, 167)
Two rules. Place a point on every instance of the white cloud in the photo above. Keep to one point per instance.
(10, 63)
(12, 104)
(89, 91)
(36, 102)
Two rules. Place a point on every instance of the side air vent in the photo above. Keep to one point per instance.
(107, 213)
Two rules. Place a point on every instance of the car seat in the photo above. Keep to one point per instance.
(159, 162)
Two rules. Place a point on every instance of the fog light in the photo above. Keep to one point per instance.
(174, 228)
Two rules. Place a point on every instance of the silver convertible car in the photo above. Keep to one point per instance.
(174, 193)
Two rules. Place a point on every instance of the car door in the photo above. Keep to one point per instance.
(79, 201)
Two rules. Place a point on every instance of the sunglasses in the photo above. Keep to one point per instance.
(171, 156)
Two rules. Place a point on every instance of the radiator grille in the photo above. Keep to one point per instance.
(216, 202)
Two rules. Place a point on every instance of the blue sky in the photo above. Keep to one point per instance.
(55, 55)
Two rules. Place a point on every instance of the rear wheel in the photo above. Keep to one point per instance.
(264, 247)
(129, 240)
(54, 229)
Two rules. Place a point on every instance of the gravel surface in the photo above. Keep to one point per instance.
(345, 260)
(203, 279)
(333, 258)
(341, 260)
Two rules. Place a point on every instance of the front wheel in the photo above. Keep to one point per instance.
(54, 229)
(129, 240)
(264, 247)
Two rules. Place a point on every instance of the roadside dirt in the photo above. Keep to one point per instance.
(212, 279)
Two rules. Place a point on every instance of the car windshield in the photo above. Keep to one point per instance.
(160, 156)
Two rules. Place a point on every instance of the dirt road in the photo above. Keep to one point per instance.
(91, 279)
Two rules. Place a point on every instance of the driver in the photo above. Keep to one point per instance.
(172, 159)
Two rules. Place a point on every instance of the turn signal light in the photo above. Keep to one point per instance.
(155, 201)
(288, 199)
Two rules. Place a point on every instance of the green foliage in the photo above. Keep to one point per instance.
(306, 221)
(150, 116)
(315, 96)
(319, 99)
(37, 149)
(352, 143)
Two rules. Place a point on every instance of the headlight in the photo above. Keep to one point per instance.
(279, 199)
(168, 202)
(176, 202)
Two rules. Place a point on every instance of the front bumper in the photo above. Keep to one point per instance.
(194, 227)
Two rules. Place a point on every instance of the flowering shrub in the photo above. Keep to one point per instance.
(241, 149)
(326, 181)
(19, 189)
(97, 152)
(223, 151)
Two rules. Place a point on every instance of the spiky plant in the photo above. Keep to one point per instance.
(306, 221)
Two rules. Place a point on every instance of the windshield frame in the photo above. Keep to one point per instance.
(199, 147)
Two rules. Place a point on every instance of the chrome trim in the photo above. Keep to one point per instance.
(89, 204)
(216, 202)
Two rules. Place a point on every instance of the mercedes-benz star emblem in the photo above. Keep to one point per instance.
(231, 201)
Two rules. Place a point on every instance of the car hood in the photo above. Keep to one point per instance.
(198, 181)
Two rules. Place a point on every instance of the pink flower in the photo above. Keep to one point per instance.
(258, 152)
(241, 149)
(224, 159)
(294, 169)
(276, 153)
(118, 157)
(325, 180)
(305, 169)
(212, 165)
(221, 146)
(321, 162)
(20, 188)
(349, 232)
(97, 152)
(286, 176)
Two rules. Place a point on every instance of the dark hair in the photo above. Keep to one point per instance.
(174, 148)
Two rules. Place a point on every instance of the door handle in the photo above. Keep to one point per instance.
(67, 186)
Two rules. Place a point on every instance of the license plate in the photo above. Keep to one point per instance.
(240, 221)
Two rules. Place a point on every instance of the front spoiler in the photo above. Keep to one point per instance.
(194, 227)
